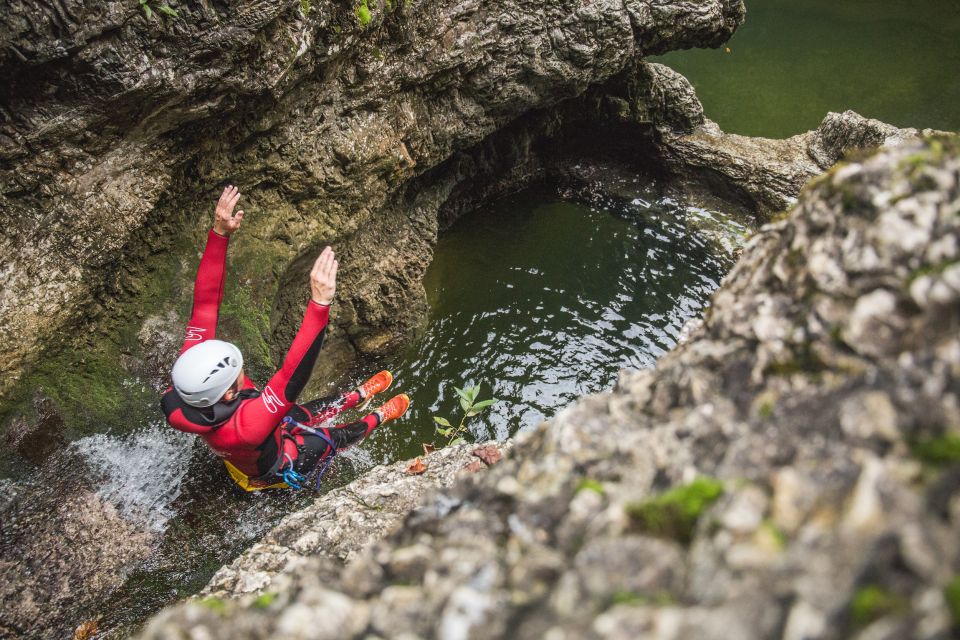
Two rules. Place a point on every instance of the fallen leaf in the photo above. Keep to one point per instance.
(428, 448)
(85, 630)
(475, 466)
(490, 454)
(416, 467)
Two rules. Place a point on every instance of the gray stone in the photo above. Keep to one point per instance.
(815, 504)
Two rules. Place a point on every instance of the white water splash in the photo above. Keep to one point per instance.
(140, 473)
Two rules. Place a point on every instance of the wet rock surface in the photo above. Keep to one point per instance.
(62, 547)
(117, 126)
(789, 471)
(346, 520)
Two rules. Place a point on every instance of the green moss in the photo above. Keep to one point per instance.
(85, 375)
(938, 451)
(804, 361)
(589, 485)
(674, 514)
(872, 602)
(776, 533)
(778, 216)
(766, 410)
(952, 594)
(245, 318)
(631, 598)
(363, 13)
(214, 604)
(264, 601)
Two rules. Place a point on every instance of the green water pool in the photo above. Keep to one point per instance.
(795, 60)
(542, 297)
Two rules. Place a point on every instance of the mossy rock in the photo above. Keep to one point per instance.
(937, 451)
(674, 514)
(872, 602)
(952, 595)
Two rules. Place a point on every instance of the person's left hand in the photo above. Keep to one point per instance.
(224, 220)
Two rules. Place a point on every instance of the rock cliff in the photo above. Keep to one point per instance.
(790, 471)
(119, 124)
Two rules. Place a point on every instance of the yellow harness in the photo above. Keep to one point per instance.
(247, 484)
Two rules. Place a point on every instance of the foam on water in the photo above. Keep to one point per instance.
(140, 473)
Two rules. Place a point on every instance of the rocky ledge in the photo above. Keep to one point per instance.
(793, 470)
(347, 520)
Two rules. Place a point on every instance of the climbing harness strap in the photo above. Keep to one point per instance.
(296, 478)
(283, 468)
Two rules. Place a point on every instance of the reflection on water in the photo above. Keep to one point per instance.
(543, 298)
(795, 60)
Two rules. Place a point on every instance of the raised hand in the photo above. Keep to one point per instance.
(224, 220)
(323, 278)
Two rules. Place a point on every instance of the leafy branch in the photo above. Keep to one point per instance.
(162, 8)
(471, 407)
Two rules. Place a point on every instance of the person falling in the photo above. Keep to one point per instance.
(265, 438)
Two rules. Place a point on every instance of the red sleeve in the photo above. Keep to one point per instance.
(207, 291)
(258, 417)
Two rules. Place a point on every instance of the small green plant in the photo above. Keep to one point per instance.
(305, 7)
(937, 451)
(471, 407)
(162, 8)
(870, 603)
(674, 514)
(264, 600)
(588, 484)
(952, 593)
(363, 13)
(214, 604)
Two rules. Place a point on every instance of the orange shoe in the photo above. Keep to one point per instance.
(375, 384)
(393, 408)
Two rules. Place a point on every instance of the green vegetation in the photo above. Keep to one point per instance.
(804, 361)
(589, 485)
(264, 600)
(765, 411)
(246, 319)
(776, 533)
(363, 13)
(952, 594)
(674, 514)
(214, 604)
(305, 7)
(937, 451)
(471, 407)
(630, 598)
(163, 8)
(872, 602)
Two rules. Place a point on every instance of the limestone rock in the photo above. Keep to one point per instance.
(120, 128)
(672, 507)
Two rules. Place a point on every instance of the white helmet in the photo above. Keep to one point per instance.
(203, 373)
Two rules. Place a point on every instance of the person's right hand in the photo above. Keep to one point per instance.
(224, 222)
(323, 278)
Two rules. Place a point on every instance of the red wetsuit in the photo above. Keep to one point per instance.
(247, 431)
